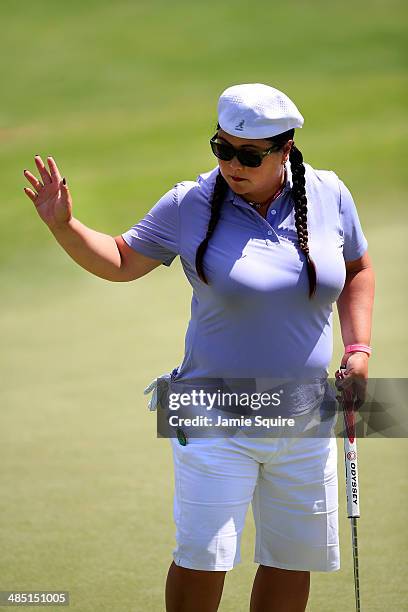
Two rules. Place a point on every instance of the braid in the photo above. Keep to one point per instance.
(220, 190)
(300, 200)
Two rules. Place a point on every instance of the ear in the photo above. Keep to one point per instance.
(286, 151)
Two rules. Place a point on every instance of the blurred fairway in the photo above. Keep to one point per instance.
(124, 96)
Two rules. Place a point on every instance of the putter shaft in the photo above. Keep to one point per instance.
(354, 543)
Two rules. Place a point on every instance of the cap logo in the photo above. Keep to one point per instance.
(240, 126)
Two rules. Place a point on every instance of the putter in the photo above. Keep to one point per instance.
(347, 400)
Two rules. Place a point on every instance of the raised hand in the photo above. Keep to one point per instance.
(50, 196)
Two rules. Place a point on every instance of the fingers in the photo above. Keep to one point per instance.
(55, 173)
(64, 189)
(42, 170)
(30, 193)
(351, 388)
(343, 381)
(52, 176)
(33, 180)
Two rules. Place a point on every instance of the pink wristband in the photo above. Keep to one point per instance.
(363, 348)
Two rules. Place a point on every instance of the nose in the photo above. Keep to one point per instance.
(234, 163)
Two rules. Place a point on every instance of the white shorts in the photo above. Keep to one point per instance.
(292, 484)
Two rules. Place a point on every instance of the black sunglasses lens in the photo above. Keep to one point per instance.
(222, 151)
(252, 160)
(227, 152)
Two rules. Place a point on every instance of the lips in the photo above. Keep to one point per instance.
(237, 179)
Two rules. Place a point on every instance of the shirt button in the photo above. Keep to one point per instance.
(273, 212)
(269, 233)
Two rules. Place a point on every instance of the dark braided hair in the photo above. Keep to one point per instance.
(298, 196)
(219, 193)
(300, 201)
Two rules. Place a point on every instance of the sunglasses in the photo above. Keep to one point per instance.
(226, 152)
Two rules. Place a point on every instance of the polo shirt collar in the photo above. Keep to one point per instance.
(236, 199)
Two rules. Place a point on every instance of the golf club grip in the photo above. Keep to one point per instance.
(350, 455)
(352, 488)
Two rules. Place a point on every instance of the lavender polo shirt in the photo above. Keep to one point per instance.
(255, 319)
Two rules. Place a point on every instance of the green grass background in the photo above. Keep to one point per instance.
(124, 96)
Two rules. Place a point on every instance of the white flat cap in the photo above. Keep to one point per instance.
(253, 110)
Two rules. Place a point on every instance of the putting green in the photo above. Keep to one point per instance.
(124, 95)
(86, 487)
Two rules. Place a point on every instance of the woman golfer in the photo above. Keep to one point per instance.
(268, 244)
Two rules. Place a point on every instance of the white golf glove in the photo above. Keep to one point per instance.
(155, 399)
